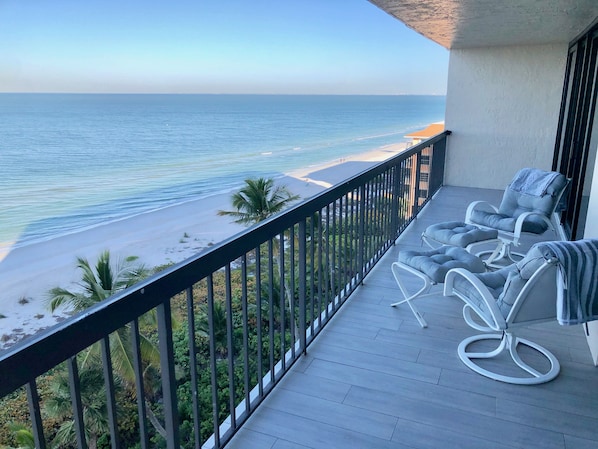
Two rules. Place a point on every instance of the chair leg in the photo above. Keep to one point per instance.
(501, 252)
(508, 341)
(395, 267)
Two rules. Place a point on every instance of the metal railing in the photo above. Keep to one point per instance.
(227, 323)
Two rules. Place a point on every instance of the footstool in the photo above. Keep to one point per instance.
(431, 267)
(458, 233)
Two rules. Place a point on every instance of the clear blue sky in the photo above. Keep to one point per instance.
(214, 46)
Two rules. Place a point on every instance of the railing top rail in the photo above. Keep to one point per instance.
(23, 360)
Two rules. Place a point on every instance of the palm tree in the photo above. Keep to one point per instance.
(107, 280)
(23, 436)
(96, 285)
(93, 399)
(257, 200)
(220, 327)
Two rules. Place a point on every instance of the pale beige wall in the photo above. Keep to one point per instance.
(591, 232)
(502, 106)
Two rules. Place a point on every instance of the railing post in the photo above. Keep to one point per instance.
(139, 386)
(437, 164)
(193, 367)
(36, 418)
(75, 389)
(361, 242)
(418, 167)
(394, 220)
(302, 286)
(171, 415)
(110, 395)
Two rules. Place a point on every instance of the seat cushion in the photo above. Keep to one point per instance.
(457, 233)
(506, 223)
(436, 263)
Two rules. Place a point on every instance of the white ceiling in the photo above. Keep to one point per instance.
(487, 23)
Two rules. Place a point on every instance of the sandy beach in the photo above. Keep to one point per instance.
(160, 237)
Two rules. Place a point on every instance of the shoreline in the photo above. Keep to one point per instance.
(163, 236)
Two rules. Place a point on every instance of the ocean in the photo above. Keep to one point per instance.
(69, 162)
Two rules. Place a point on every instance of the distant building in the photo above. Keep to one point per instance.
(411, 178)
(423, 134)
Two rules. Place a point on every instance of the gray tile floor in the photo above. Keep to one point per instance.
(375, 379)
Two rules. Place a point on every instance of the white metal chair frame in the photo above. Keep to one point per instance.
(408, 297)
(506, 239)
(494, 320)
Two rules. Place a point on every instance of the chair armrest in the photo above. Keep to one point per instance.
(493, 318)
(521, 220)
(478, 205)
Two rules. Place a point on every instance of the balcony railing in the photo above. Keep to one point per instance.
(227, 324)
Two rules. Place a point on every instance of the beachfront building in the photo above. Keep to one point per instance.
(334, 366)
(422, 134)
(422, 179)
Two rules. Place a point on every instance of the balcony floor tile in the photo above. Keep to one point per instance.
(375, 379)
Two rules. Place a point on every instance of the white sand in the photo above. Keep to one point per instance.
(168, 235)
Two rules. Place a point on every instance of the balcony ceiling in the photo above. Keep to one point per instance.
(488, 23)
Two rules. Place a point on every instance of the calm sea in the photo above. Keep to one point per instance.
(70, 162)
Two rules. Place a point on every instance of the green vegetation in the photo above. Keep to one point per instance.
(257, 200)
(242, 311)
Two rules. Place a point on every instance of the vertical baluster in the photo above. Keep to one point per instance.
(362, 244)
(230, 347)
(282, 299)
(34, 413)
(418, 168)
(320, 271)
(75, 387)
(337, 259)
(244, 311)
(396, 203)
(383, 215)
(350, 237)
(312, 265)
(346, 263)
(193, 368)
(302, 286)
(271, 308)
(292, 317)
(328, 264)
(382, 212)
(258, 308)
(140, 389)
(213, 366)
(110, 396)
(169, 400)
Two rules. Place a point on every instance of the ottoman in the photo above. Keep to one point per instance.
(458, 233)
(431, 268)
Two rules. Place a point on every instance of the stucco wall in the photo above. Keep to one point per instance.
(591, 232)
(502, 106)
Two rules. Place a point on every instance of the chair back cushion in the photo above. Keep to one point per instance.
(524, 292)
(515, 202)
(517, 277)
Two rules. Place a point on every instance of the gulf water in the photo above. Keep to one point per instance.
(73, 161)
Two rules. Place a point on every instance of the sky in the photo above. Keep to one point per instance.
(214, 46)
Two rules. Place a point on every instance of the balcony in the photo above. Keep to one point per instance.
(293, 343)
(375, 379)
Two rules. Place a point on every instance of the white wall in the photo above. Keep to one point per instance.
(502, 106)
(591, 232)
